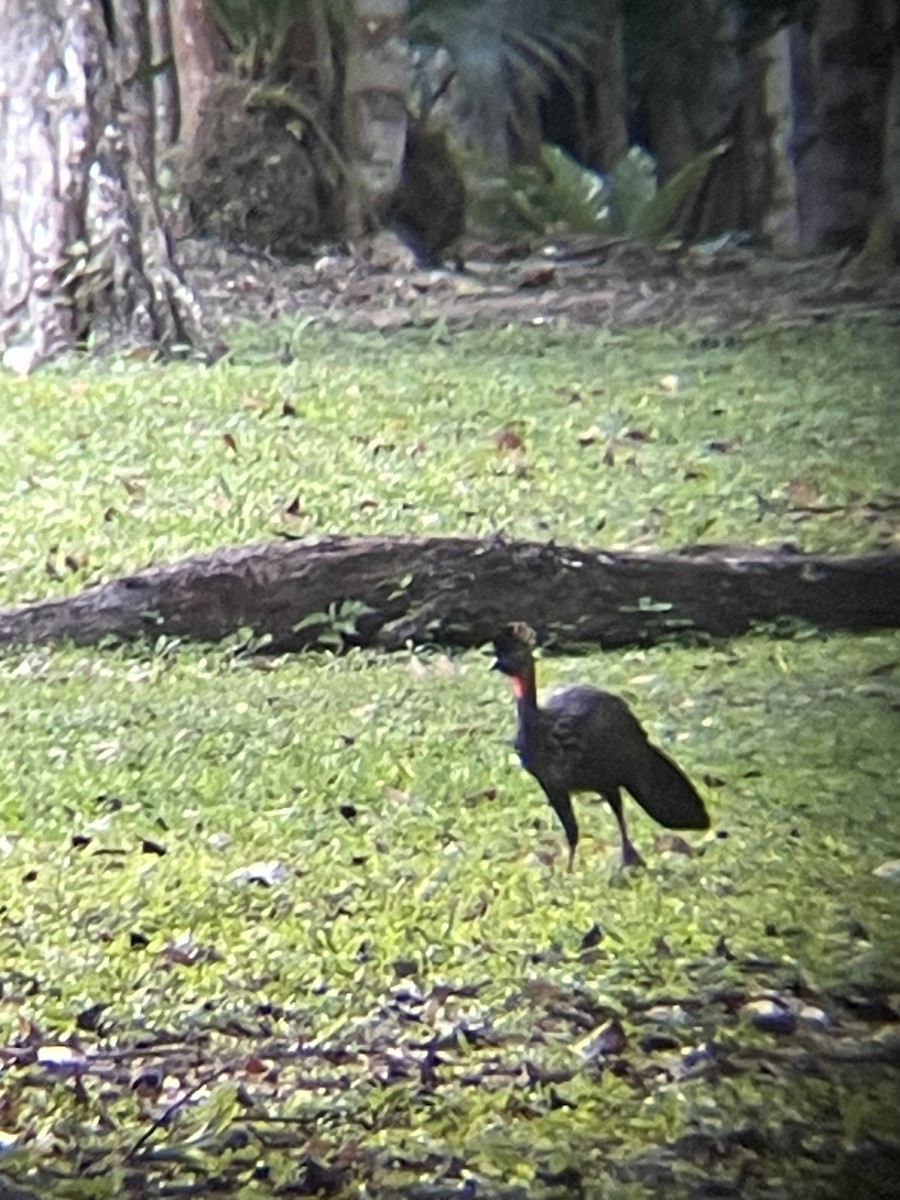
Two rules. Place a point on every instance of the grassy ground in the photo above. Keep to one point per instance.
(647, 439)
(417, 994)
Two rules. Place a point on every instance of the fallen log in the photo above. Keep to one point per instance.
(387, 591)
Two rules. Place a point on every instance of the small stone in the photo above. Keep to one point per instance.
(695, 1060)
(668, 1014)
(387, 252)
(889, 871)
(21, 360)
(817, 1018)
(770, 1016)
(266, 873)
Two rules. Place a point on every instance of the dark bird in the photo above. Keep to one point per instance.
(588, 740)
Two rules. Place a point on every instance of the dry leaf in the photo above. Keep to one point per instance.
(508, 440)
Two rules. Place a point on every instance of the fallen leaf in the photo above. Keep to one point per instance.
(508, 441)
(267, 873)
(801, 493)
(592, 938)
(600, 1043)
(89, 1018)
(476, 798)
(671, 843)
(185, 952)
(538, 277)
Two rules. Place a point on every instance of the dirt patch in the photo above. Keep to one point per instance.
(582, 282)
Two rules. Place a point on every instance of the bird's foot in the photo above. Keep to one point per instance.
(630, 856)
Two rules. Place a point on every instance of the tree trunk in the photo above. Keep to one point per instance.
(200, 56)
(165, 81)
(609, 136)
(377, 81)
(83, 251)
(388, 591)
(841, 74)
(780, 220)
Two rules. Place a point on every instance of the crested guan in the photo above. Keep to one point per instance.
(587, 740)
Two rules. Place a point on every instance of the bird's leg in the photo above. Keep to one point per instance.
(562, 806)
(630, 855)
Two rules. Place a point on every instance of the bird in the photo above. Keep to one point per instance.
(588, 740)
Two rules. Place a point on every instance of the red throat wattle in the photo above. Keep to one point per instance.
(519, 686)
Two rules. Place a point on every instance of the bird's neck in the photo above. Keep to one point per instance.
(525, 692)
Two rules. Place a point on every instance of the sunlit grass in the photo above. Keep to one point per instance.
(404, 846)
(789, 437)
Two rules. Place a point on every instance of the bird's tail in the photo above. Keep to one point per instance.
(665, 792)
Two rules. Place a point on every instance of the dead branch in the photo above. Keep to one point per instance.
(386, 591)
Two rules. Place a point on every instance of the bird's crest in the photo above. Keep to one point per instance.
(515, 635)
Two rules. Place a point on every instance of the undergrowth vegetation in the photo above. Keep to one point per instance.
(302, 923)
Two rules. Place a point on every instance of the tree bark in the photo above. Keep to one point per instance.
(200, 56)
(84, 250)
(609, 133)
(378, 77)
(841, 79)
(165, 81)
(389, 591)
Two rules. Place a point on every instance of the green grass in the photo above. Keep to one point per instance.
(106, 471)
(421, 898)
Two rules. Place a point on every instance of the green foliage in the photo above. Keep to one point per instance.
(559, 195)
(657, 216)
(257, 28)
(632, 188)
(502, 49)
(556, 195)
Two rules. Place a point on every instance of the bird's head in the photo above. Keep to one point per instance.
(513, 647)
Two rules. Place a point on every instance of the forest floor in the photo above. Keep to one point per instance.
(576, 281)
